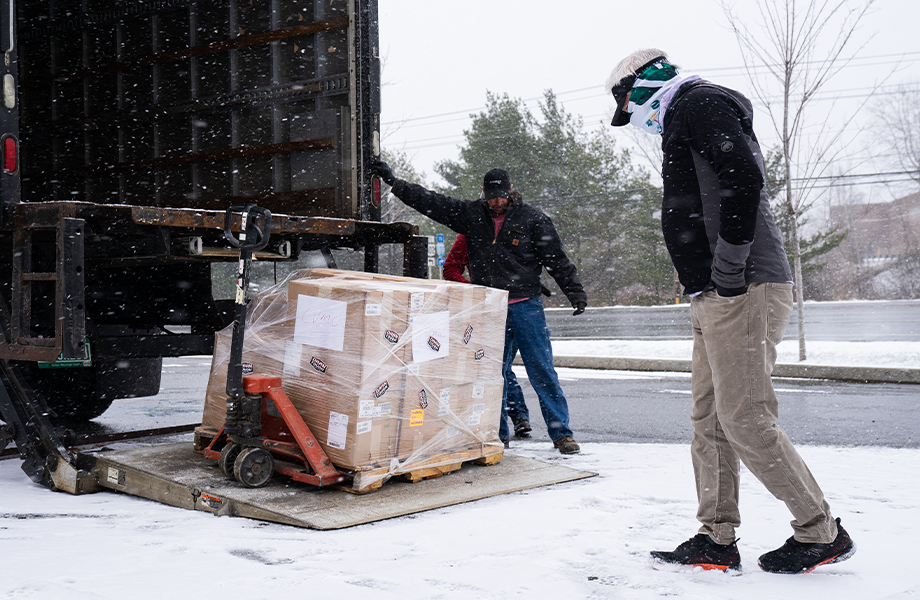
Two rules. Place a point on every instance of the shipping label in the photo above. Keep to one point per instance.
(338, 430)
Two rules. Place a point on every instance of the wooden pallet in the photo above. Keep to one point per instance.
(371, 478)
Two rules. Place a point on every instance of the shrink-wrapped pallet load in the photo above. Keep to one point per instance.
(390, 373)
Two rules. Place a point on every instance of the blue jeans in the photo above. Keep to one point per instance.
(526, 329)
(513, 399)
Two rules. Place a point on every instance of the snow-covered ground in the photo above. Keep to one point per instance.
(586, 539)
(582, 540)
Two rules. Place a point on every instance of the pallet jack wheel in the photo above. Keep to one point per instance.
(227, 459)
(254, 467)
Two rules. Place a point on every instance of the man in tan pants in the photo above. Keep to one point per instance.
(728, 252)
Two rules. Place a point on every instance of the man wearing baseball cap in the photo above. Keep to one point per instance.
(509, 245)
(729, 256)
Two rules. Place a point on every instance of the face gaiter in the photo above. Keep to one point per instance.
(651, 93)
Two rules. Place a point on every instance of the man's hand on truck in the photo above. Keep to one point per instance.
(383, 171)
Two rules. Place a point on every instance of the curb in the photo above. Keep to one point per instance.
(855, 374)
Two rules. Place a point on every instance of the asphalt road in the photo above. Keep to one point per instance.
(623, 406)
(895, 321)
(617, 406)
(610, 406)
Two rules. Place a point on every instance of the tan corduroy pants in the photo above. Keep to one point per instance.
(735, 411)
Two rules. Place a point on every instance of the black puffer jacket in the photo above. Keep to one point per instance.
(715, 214)
(526, 243)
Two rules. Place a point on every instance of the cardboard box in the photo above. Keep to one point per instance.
(380, 367)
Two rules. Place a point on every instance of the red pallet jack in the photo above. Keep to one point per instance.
(263, 432)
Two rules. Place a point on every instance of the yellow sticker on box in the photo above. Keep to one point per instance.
(417, 417)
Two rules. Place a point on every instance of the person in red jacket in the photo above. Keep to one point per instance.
(513, 399)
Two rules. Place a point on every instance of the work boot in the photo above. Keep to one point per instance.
(796, 557)
(506, 443)
(567, 445)
(701, 551)
(522, 428)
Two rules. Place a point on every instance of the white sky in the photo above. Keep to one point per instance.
(441, 57)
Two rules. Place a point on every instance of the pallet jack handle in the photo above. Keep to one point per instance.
(255, 228)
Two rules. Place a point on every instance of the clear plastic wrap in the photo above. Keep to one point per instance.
(393, 375)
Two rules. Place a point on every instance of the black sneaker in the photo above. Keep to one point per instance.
(522, 428)
(796, 557)
(506, 443)
(701, 551)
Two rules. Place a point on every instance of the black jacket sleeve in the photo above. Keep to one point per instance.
(443, 209)
(717, 132)
(555, 260)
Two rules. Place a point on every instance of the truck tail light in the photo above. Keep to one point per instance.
(376, 197)
(9, 155)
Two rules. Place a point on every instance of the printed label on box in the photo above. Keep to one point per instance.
(383, 409)
(452, 431)
(247, 368)
(292, 354)
(363, 427)
(381, 389)
(444, 402)
(317, 364)
(391, 336)
(366, 409)
(417, 417)
(434, 326)
(478, 390)
(338, 430)
(413, 369)
(373, 310)
(479, 408)
(417, 301)
(320, 322)
(423, 398)
(474, 419)
(468, 335)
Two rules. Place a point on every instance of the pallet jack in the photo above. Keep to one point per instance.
(263, 432)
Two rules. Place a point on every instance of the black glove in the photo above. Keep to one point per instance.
(383, 171)
(545, 290)
(579, 308)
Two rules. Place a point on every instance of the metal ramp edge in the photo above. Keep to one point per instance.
(175, 475)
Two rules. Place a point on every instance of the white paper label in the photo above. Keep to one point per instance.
(366, 409)
(474, 420)
(373, 310)
(383, 409)
(338, 430)
(444, 402)
(320, 322)
(478, 390)
(452, 431)
(413, 369)
(478, 409)
(292, 355)
(363, 427)
(417, 301)
(430, 336)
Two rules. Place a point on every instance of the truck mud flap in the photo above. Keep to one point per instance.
(175, 475)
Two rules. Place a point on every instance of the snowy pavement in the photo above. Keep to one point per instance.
(586, 539)
(582, 540)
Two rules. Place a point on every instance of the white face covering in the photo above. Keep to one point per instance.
(651, 94)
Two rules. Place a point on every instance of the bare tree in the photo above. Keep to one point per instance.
(799, 45)
(904, 139)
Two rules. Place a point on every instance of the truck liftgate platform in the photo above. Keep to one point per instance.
(176, 475)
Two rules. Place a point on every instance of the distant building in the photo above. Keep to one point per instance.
(880, 233)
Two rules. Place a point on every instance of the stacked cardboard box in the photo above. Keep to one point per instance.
(385, 370)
